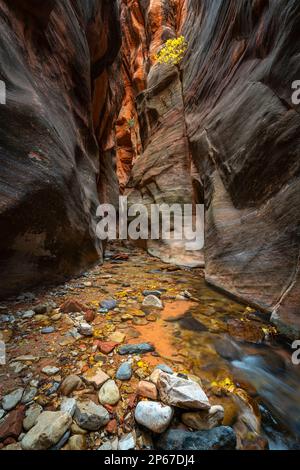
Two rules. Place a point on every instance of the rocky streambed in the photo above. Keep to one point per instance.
(136, 354)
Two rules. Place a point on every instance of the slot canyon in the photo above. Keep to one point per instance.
(124, 345)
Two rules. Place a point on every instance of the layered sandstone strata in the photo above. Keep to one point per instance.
(223, 130)
(54, 56)
(154, 165)
(243, 130)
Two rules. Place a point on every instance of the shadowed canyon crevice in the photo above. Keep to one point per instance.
(220, 129)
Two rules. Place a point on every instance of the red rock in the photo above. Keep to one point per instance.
(12, 425)
(147, 390)
(8, 441)
(73, 306)
(78, 81)
(132, 400)
(112, 427)
(89, 316)
(106, 347)
(109, 408)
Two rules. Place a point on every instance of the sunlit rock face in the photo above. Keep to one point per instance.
(244, 130)
(54, 59)
(224, 131)
(154, 164)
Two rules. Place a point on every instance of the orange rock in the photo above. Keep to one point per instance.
(73, 306)
(112, 427)
(132, 400)
(89, 316)
(106, 347)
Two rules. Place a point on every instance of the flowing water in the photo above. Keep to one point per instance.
(240, 359)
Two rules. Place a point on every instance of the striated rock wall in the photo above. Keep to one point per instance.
(244, 135)
(154, 164)
(55, 60)
(223, 131)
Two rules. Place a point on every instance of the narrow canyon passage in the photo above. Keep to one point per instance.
(199, 333)
(134, 344)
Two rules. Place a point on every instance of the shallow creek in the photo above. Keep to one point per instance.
(242, 363)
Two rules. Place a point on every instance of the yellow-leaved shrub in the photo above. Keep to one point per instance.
(173, 51)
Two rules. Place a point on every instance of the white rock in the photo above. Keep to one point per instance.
(152, 301)
(154, 415)
(109, 393)
(175, 391)
(68, 405)
(114, 443)
(127, 442)
(106, 446)
(50, 370)
(49, 429)
(28, 314)
(85, 329)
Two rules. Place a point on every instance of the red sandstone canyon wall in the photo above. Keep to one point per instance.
(55, 60)
(224, 127)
